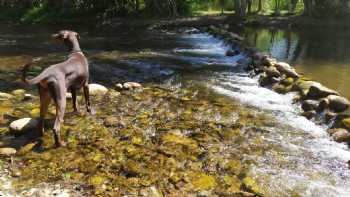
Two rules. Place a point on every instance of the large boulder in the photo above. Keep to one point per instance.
(24, 124)
(340, 135)
(318, 91)
(286, 69)
(97, 89)
(338, 103)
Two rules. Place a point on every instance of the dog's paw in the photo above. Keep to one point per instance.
(76, 113)
(60, 144)
(92, 112)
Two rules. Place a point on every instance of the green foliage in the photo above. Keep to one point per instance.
(51, 11)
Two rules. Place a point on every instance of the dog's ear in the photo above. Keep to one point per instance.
(77, 35)
(65, 34)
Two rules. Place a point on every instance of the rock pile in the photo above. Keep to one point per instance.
(316, 100)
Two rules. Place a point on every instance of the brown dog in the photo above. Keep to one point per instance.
(55, 80)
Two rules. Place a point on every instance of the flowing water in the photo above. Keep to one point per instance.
(301, 158)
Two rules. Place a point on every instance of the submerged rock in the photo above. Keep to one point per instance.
(7, 151)
(309, 114)
(5, 96)
(97, 89)
(338, 103)
(232, 52)
(23, 124)
(19, 93)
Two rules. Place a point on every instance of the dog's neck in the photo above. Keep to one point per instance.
(73, 45)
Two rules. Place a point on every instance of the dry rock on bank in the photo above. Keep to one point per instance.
(97, 89)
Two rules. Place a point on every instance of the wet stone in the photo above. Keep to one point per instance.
(22, 125)
(309, 105)
(341, 135)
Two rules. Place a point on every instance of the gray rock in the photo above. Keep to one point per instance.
(286, 69)
(23, 124)
(324, 103)
(131, 85)
(329, 115)
(272, 71)
(340, 135)
(338, 103)
(318, 91)
(269, 61)
(309, 105)
(97, 89)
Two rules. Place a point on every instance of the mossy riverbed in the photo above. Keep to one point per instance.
(144, 142)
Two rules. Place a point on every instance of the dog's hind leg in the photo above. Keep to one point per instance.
(74, 99)
(87, 99)
(44, 106)
(59, 97)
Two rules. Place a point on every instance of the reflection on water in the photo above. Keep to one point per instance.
(321, 54)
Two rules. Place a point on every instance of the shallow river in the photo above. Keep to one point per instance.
(302, 159)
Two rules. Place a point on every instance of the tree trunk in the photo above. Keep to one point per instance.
(293, 5)
(259, 6)
(249, 2)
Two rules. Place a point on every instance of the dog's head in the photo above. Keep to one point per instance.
(66, 35)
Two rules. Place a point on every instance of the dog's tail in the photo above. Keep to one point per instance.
(33, 81)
